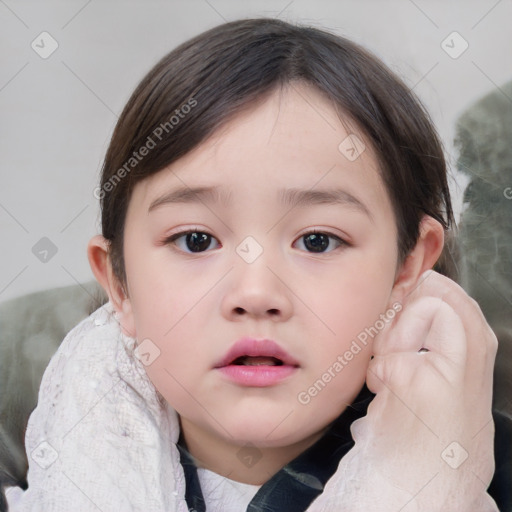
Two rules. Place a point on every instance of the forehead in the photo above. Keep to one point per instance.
(294, 139)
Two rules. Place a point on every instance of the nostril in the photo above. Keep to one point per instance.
(271, 312)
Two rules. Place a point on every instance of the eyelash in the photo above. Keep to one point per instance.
(171, 240)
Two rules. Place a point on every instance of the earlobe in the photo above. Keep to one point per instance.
(99, 260)
(97, 252)
(422, 257)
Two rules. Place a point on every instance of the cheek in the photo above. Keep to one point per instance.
(351, 308)
(171, 308)
(160, 295)
(182, 358)
(353, 302)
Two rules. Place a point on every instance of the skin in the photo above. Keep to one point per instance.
(427, 440)
(194, 306)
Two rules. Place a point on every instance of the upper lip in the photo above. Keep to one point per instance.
(256, 348)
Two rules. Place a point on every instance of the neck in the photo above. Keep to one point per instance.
(243, 463)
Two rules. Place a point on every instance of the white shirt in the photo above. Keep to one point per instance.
(224, 495)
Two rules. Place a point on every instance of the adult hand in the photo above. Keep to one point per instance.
(428, 435)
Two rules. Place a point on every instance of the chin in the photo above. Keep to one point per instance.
(267, 431)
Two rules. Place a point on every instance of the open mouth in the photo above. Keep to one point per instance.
(253, 352)
(258, 371)
(257, 361)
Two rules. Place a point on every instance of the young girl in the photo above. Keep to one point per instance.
(273, 200)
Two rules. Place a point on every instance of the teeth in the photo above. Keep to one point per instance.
(257, 361)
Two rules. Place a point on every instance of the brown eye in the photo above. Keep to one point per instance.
(198, 242)
(193, 241)
(318, 242)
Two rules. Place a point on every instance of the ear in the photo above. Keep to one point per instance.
(422, 258)
(101, 266)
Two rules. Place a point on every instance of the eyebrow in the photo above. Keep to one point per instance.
(191, 195)
(290, 197)
(294, 197)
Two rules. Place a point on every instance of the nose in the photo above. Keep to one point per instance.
(257, 291)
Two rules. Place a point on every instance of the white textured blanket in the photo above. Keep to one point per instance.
(102, 438)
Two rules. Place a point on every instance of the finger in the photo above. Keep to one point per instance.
(447, 334)
(481, 341)
(409, 330)
(433, 284)
(392, 371)
(401, 371)
(427, 323)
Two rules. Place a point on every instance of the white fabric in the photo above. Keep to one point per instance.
(225, 495)
(102, 438)
(112, 434)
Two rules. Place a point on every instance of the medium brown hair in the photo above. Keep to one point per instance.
(200, 85)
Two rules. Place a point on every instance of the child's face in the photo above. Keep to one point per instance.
(194, 306)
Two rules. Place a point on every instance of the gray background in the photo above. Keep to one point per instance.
(57, 114)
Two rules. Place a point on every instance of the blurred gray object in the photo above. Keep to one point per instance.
(484, 240)
(31, 329)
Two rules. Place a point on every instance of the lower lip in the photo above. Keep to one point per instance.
(257, 376)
